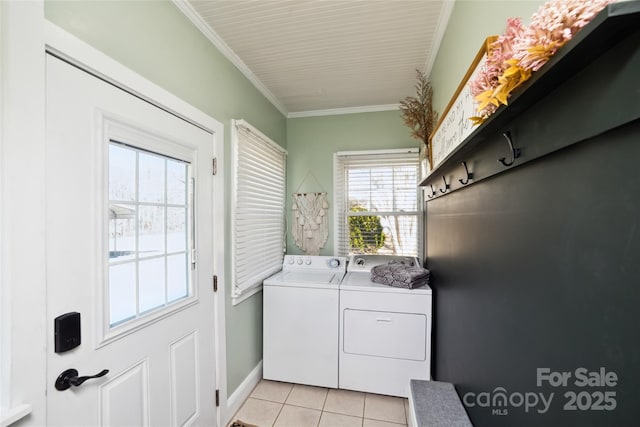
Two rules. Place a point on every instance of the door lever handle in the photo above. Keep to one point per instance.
(70, 378)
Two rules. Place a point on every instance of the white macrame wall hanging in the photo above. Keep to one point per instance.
(309, 226)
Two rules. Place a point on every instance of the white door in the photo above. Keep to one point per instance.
(129, 248)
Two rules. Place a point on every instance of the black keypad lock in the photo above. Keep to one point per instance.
(67, 332)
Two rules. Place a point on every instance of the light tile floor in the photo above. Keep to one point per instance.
(277, 404)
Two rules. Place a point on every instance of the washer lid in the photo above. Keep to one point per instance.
(311, 276)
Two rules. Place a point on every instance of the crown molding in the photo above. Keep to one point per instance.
(443, 21)
(185, 7)
(346, 110)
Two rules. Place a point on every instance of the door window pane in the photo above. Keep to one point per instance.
(151, 177)
(122, 232)
(149, 232)
(177, 276)
(151, 282)
(176, 182)
(176, 229)
(122, 292)
(122, 173)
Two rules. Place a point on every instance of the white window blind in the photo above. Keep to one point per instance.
(377, 207)
(258, 203)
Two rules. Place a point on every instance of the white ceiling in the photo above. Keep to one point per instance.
(313, 57)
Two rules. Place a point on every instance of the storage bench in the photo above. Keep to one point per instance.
(436, 404)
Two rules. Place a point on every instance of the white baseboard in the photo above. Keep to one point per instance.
(243, 391)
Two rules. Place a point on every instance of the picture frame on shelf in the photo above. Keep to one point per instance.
(455, 125)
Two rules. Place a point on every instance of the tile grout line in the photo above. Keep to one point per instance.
(324, 410)
(342, 413)
(324, 403)
(279, 412)
(303, 407)
(282, 406)
(406, 423)
(326, 396)
(364, 406)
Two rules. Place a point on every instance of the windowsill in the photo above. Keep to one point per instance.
(14, 414)
(245, 295)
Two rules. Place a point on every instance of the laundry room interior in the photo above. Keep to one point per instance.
(416, 212)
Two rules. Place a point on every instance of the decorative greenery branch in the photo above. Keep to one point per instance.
(418, 113)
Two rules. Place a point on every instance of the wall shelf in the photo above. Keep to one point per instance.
(583, 58)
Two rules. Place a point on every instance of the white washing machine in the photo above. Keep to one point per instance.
(300, 321)
(385, 332)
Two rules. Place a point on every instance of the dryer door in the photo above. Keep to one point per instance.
(385, 334)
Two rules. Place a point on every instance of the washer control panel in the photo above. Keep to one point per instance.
(305, 262)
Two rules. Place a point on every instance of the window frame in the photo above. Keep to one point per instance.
(340, 185)
(165, 205)
(241, 292)
(116, 129)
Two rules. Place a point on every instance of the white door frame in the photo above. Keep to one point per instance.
(22, 213)
(82, 55)
(24, 35)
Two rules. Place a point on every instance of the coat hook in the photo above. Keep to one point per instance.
(469, 174)
(433, 192)
(515, 152)
(446, 186)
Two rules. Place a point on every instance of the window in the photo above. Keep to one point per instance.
(377, 207)
(258, 209)
(149, 240)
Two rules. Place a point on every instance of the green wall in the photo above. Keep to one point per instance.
(311, 142)
(471, 22)
(154, 39)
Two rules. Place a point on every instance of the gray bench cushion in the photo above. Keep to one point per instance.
(437, 404)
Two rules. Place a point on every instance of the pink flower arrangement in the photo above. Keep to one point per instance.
(553, 25)
(500, 51)
(522, 50)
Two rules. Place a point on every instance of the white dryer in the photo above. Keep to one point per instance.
(385, 332)
(300, 321)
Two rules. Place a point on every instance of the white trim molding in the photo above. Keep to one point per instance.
(75, 51)
(241, 393)
(23, 337)
(443, 22)
(382, 152)
(14, 414)
(185, 7)
(195, 18)
(345, 110)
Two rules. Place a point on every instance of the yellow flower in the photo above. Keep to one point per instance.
(512, 78)
(486, 98)
(477, 120)
(538, 55)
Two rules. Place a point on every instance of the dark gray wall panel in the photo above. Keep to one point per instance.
(540, 267)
